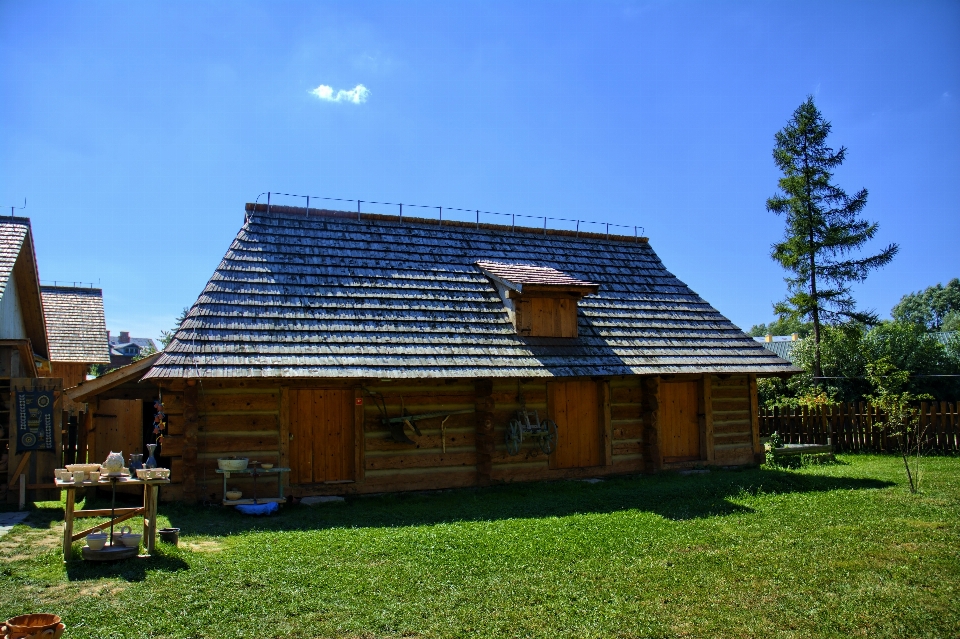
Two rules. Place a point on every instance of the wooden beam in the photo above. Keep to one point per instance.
(131, 372)
(284, 460)
(650, 409)
(105, 512)
(114, 522)
(191, 426)
(606, 423)
(15, 477)
(359, 446)
(484, 407)
(707, 399)
(758, 453)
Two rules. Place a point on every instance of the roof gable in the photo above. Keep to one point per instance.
(18, 261)
(76, 325)
(327, 295)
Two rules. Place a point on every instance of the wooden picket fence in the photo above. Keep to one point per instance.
(856, 426)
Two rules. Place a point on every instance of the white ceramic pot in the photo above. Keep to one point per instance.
(113, 463)
(97, 540)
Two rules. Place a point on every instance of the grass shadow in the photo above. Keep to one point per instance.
(127, 570)
(670, 496)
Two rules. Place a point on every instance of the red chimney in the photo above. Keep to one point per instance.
(124, 337)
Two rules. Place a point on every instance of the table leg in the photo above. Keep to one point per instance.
(150, 517)
(280, 484)
(68, 525)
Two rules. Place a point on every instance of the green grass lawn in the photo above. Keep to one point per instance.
(832, 551)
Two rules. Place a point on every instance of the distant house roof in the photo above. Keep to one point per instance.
(781, 345)
(141, 342)
(18, 262)
(75, 324)
(321, 294)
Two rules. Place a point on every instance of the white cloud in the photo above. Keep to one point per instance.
(356, 95)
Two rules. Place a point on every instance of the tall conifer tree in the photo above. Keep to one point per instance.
(823, 228)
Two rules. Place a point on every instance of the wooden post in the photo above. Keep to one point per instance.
(758, 453)
(150, 492)
(360, 440)
(606, 422)
(706, 409)
(68, 524)
(191, 426)
(650, 410)
(284, 434)
(484, 406)
(23, 491)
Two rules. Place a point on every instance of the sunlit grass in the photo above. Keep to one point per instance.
(837, 550)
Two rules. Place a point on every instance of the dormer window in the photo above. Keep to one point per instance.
(541, 301)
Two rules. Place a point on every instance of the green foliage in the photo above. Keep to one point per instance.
(897, 412)
(823, 227)
(782, 326)
(167, 336)
(934, 308)
(846, 351)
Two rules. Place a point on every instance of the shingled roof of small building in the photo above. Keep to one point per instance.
(323, 294)
(76, 327)
(13, 231)
(521, 274)
(18, 263)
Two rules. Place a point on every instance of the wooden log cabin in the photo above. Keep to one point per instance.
(319, 329)
(24, 358)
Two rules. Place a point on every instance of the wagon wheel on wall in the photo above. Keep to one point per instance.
(514, 437)
(548, 440)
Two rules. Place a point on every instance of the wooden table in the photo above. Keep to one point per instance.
(148, 510)
(255, 472)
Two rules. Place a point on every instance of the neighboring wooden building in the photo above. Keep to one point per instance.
(77, 331)
(318, 327)
(24, 355)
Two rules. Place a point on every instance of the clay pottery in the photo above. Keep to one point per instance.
(234, 495)
(26, 625)
(128, 538)
(266, 466)
(113, 463)
(97, 540)
(232, 464)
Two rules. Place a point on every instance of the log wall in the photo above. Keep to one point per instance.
(251, 419)
(735, 434)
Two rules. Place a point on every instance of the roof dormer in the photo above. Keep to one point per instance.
(541, 301)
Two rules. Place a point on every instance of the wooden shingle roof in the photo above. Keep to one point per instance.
(76, 327)
(13, 231)
(328, 296)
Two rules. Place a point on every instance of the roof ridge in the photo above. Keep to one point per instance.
(349, 216)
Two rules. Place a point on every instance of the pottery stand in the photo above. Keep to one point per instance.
(117, 515)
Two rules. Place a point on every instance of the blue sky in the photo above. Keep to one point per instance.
(137, 130)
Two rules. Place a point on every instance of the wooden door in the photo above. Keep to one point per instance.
(118, 427)
(322, 448)
(576, 409)
(679, 421)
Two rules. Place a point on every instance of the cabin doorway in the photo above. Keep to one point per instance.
(322, 444)
(575, 407)
(680, 421)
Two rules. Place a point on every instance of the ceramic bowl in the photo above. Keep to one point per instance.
(26, 625)
(233, 464)
(96, 541)
(266, 466)
(130, 540)
(144, 473)
(234, 495)
(87, 468)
